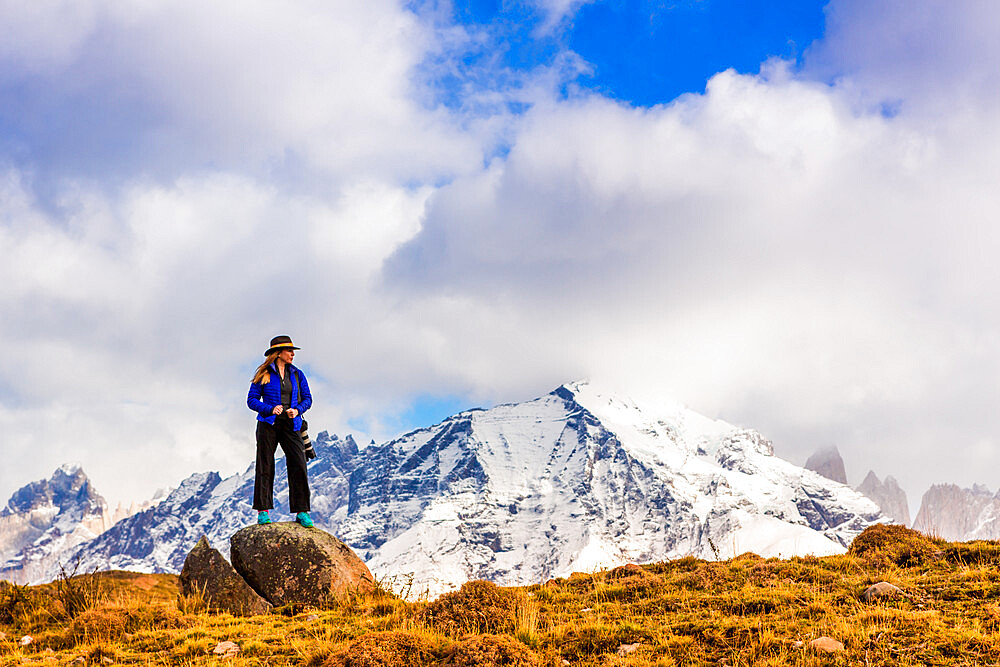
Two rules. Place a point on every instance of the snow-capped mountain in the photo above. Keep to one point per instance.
(46, 518)
(159, 538)
(574, 480)
(581, 479)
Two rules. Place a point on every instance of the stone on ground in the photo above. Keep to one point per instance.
(288, 564)
(826, 645)
(883, 590)
(226, 649)
(207, 572)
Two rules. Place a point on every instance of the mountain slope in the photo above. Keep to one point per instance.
(580, 479)
(159, 538)
(571, 481)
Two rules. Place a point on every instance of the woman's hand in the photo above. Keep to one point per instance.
(277, 409)
(292, 412)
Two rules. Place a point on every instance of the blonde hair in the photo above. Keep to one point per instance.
(263, 375)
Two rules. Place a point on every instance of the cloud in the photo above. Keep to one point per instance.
(305, 89)
(927, 57)
(807, 252)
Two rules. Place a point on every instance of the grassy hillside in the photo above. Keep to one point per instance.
(744, 611)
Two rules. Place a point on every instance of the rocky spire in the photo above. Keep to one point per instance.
(888, 495)
(828, 463)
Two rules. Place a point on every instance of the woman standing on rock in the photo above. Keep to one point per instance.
(279, 394)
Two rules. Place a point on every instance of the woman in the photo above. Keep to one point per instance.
(279, 394)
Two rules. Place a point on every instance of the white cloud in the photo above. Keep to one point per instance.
(918, 57)
(303, 86)
(185, 182)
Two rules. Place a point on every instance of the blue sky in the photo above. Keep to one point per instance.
(648, 52)
(450, 205)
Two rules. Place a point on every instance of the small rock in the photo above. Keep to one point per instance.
(227, 649)
(25, 640)
(585, 610)
(625, 649)
(107, 661)
(826, 645)
(797, 644)
(565, 662)
(883, 590)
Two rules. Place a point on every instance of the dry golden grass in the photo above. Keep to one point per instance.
(746, 611)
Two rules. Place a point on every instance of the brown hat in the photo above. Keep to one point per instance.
(281, 343)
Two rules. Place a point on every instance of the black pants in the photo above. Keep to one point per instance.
(268, 439)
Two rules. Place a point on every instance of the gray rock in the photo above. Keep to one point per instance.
(286, 563)
(828, 463)
(959, 515)
(207, 571)
(888, 495)
(883, 590)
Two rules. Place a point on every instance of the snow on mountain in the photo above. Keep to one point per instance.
(574, 480)
(45, 518)
(581, 479)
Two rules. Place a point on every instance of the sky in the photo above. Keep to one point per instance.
(782, 214)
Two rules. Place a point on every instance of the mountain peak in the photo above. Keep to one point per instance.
(69, 469)
(67, 486)
(827, 462)
(888, 495)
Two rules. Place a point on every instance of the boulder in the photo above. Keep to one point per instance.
(883, 590)
(207, 572)
(287, 564)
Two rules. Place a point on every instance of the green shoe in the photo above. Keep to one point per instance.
(303, 518)
(263, 517)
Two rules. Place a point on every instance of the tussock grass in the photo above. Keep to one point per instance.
(745, 611)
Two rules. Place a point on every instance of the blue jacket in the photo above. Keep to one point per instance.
(263, 397)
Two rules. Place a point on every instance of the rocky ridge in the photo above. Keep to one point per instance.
(954, 513)
(47, 518)
(888, 495)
